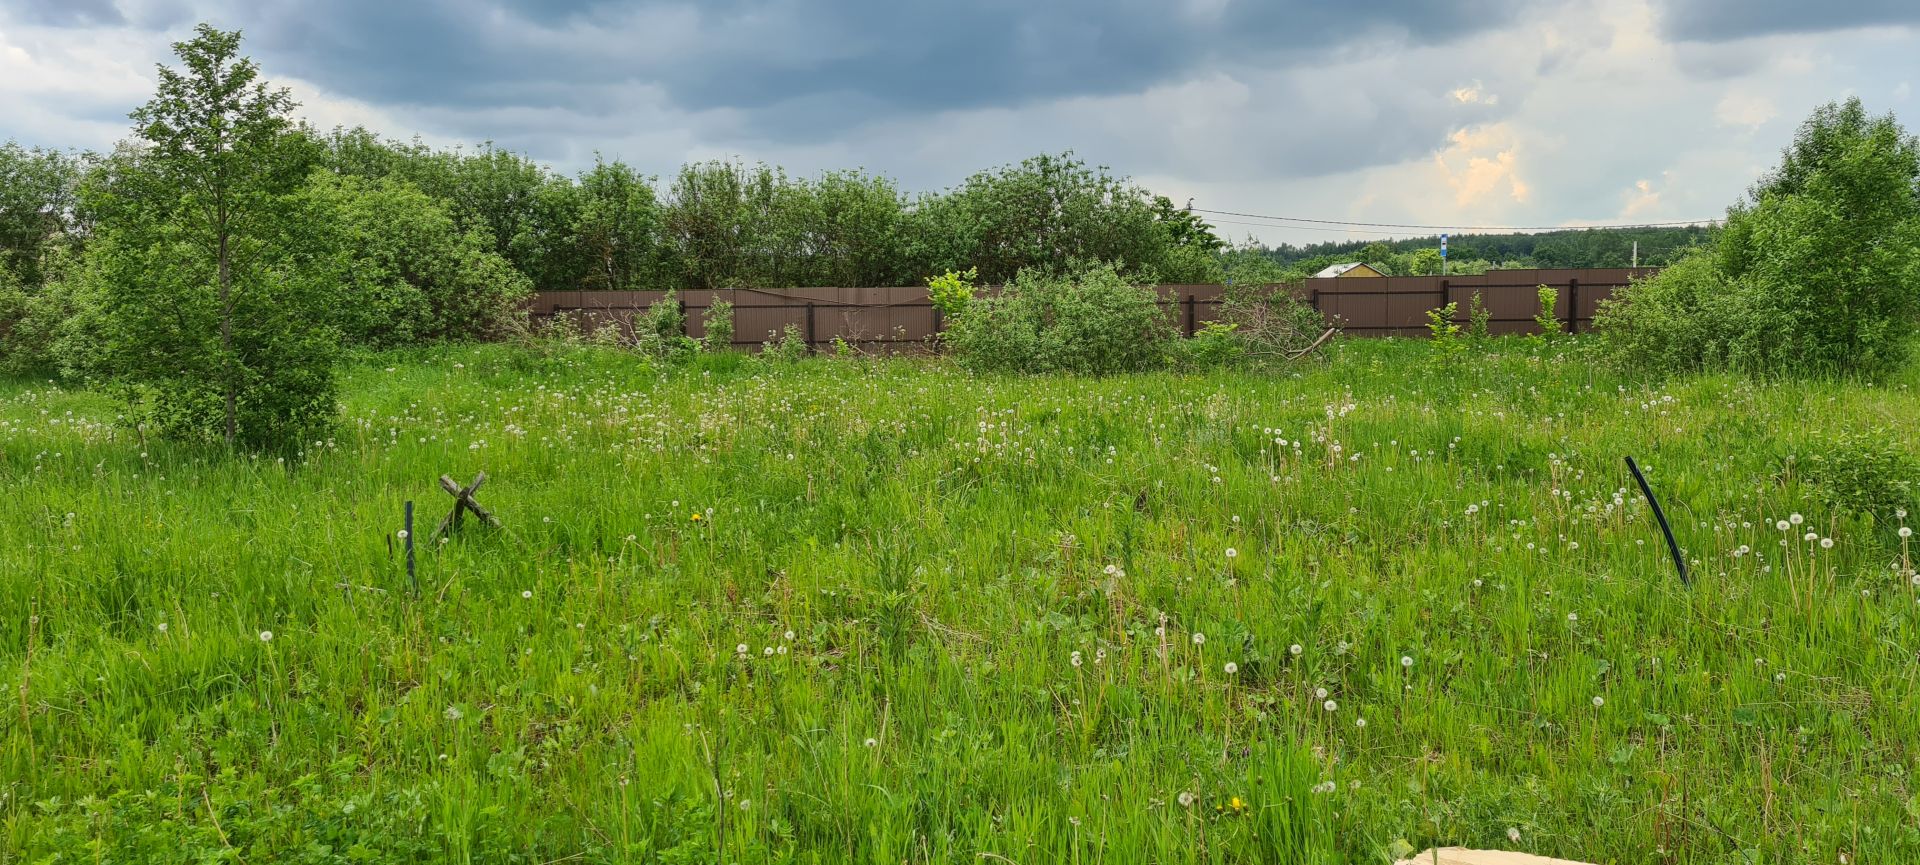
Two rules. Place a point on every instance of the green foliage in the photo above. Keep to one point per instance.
(34, 320)
(214, 300)
(1450, 344)
(1053, 209)
(1479, 318)
(408, 274)
(1546, 318)
(722, 222)
(1441, 324)
(1215, 344)
(791, 345)
(1818, 272)
(617, 230)
(1090, 321)
(661, 331)
(1868, 473)
(719, 325)
(39, 210)
(952, 291)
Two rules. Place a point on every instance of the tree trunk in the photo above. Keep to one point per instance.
(226, 337)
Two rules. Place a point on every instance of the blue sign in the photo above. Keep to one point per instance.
(1443, 246)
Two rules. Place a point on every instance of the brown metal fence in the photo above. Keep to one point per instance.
(894, 318)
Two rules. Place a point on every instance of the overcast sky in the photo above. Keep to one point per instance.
(1463, 113)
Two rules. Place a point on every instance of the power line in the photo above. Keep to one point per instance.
(1305, 228)
(1289, 219)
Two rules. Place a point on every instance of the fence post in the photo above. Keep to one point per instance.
(1446, 297)
(1573, 305)
(1314, 299)
(686, 328)
(1191, 321)
(810, 339)
(936, 322)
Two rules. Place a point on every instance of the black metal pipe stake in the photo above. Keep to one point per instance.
(1673, 546)
(413, 582)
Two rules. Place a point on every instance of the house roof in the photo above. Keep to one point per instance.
(1338, 269)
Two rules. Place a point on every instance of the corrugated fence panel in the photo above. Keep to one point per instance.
(903, 317)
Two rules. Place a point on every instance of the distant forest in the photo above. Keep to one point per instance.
(1590, 247)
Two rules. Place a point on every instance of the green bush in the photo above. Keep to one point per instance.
(1217, 344)
(791, 345)
(409, 274)
(33, 321)
(1545, 318)
(952, 291)
(719, 324)
(1817, 272)
(661, 331)
(1092, 321)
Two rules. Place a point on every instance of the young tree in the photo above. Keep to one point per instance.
(214, 300)
(1817, 271)
(617, 229)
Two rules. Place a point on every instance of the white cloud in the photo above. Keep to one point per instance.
(1744, 109)
(1573, 113)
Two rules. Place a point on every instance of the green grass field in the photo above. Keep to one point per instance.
(884, 612)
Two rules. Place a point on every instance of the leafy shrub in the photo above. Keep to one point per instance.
(1817, 271)
(1544, 318)
(1863, 472)
(952, 291)
(791, 345)
(408, 274)
(719, 324)
(1479, 318)
(1092, 321)
(1216, 344)
(661, 331)
(33, 322)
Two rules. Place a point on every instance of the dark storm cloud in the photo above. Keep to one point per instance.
(877, 57)
(1714, 20)
(69, 13)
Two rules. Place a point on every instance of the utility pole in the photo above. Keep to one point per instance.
(1443, 255)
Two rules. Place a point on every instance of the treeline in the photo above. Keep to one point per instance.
(729, 224)
(718, 224)
(1584, 247)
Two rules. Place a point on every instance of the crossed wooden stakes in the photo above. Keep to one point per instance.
(463, 502)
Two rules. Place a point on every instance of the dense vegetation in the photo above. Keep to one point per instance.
(879, 610)
(1817, 270)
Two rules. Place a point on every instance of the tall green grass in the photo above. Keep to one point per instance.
(983, 619)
